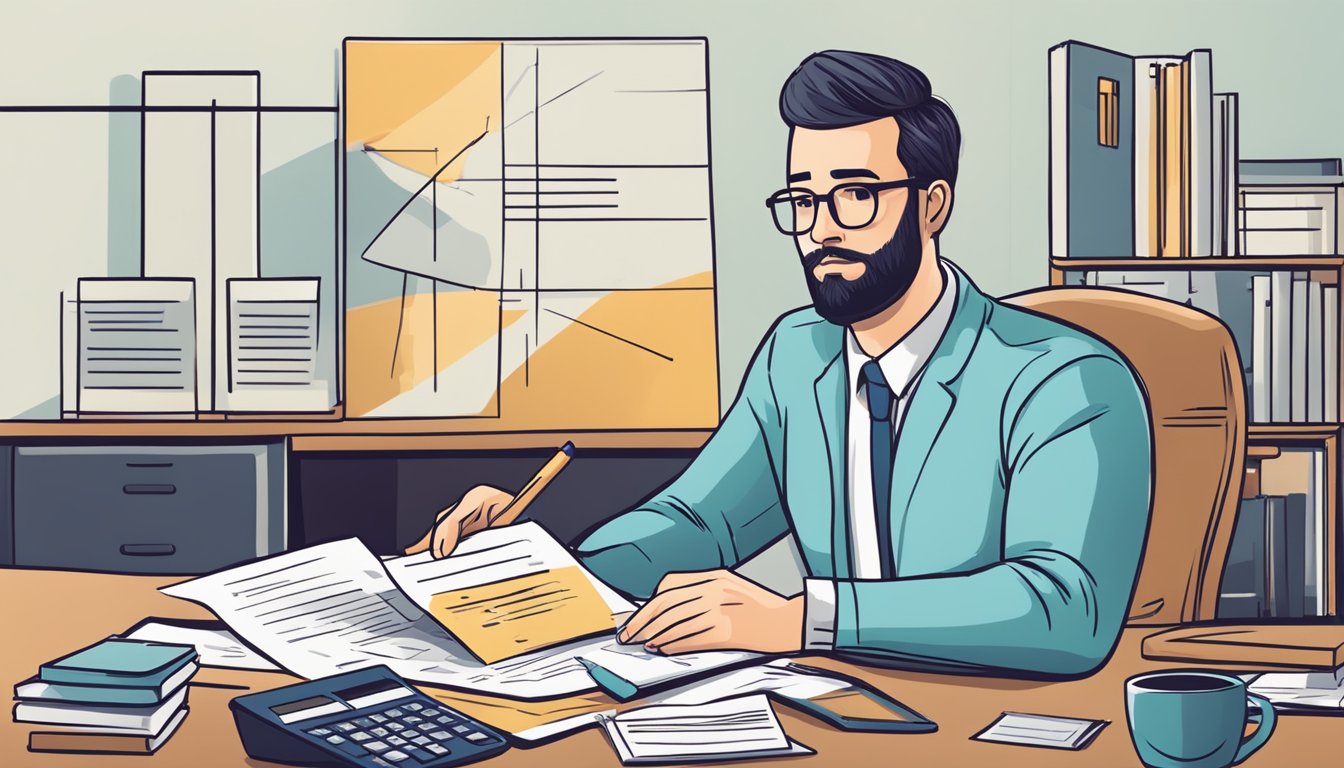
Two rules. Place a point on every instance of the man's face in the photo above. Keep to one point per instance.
(853, 274)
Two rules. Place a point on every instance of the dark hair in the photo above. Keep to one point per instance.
(837, 89)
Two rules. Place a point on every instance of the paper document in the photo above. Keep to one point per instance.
(1042, 731)
(214, 647)
(503, 596)
(335, 607)
(732, 729)
(136, 342)
(273, 346)
(1301, 690)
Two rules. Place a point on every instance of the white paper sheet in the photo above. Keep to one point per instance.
(774, 676)
(737, 728)
(1041, 730)
(214, 647)
(1301, 689)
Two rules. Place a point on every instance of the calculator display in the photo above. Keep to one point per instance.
(294, 711)
(376, 692)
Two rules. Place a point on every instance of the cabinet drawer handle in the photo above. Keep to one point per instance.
(146, 464)
(135, 489)
(148, 550)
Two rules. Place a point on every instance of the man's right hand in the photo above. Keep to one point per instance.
(477, 510)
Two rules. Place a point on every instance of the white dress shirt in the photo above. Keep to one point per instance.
(901, 366)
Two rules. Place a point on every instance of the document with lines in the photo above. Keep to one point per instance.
(335, 607)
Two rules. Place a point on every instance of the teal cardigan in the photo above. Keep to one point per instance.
(1019, 500)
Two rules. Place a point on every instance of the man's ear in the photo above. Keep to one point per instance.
(937, 207)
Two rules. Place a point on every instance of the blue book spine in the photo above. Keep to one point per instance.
(1091, 152)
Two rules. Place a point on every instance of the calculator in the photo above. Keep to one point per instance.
(370, 717)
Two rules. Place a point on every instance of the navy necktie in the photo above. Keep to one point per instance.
(880, 398)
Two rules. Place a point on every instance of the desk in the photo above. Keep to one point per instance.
(58, 612)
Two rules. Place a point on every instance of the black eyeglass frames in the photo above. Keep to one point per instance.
(852, 205)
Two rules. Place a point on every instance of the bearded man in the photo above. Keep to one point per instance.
(967, 482)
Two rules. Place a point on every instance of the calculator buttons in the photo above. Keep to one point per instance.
(321, 732)
(395, 726)
(413, 706)
(436, 750)
(376, 746)
(443, 719)
(441, 735)
(363, 722)
(393, 713)
(461, 729)
(395, 756)
(412, 719)
(396, 741)
(345, 727)
(421, 741)
(477, 736)
(378, 718)
(360, 736)
(429, 712)
(380, 731)
(428, 727)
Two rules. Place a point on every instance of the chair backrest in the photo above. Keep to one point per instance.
(1189, 366)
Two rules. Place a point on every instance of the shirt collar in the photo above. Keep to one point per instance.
(902, 364)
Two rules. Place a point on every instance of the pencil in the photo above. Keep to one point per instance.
(534, 487)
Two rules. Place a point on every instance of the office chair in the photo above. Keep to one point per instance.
(1188, 364)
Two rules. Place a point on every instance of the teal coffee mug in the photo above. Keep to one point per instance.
(1193, 719)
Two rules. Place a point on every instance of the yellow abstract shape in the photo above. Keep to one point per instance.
(387, 83)
(443, 97)
(467, 319)
(508, 618)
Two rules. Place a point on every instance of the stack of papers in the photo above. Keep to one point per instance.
(1302, 691)
(508, 614)
(732, 729)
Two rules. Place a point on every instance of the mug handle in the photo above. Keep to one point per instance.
(1262, 733)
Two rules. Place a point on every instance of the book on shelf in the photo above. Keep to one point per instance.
(1289, 207)
(1141, 162)
(128, 741)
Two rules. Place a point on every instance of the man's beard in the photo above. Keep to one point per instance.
(888, 273)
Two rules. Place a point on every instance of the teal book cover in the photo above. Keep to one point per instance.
(116, 661)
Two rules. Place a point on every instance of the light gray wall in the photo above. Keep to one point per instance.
(988, 59)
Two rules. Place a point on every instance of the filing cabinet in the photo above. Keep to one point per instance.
(147, 509)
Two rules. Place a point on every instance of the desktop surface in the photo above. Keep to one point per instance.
(54, 612)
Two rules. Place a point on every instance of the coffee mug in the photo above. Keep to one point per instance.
(1193, 719)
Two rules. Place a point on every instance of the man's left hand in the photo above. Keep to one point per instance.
(716, 611)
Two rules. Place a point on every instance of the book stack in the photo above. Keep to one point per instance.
(1277, 562)
(116, 696)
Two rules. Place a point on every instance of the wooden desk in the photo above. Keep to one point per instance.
(49, 613)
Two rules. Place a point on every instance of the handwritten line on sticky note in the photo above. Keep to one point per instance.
(515, 616)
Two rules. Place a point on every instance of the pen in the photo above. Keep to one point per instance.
(534, 487)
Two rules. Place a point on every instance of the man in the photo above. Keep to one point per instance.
(968, 482)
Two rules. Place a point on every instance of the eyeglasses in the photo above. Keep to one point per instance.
(852, 206)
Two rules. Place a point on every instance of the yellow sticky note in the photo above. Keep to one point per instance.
(509, 618)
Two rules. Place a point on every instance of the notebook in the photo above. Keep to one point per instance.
(118, 661)
(739, 728)
(149, 719)
(126, 695)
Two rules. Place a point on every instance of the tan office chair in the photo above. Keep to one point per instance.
(1189, 366)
